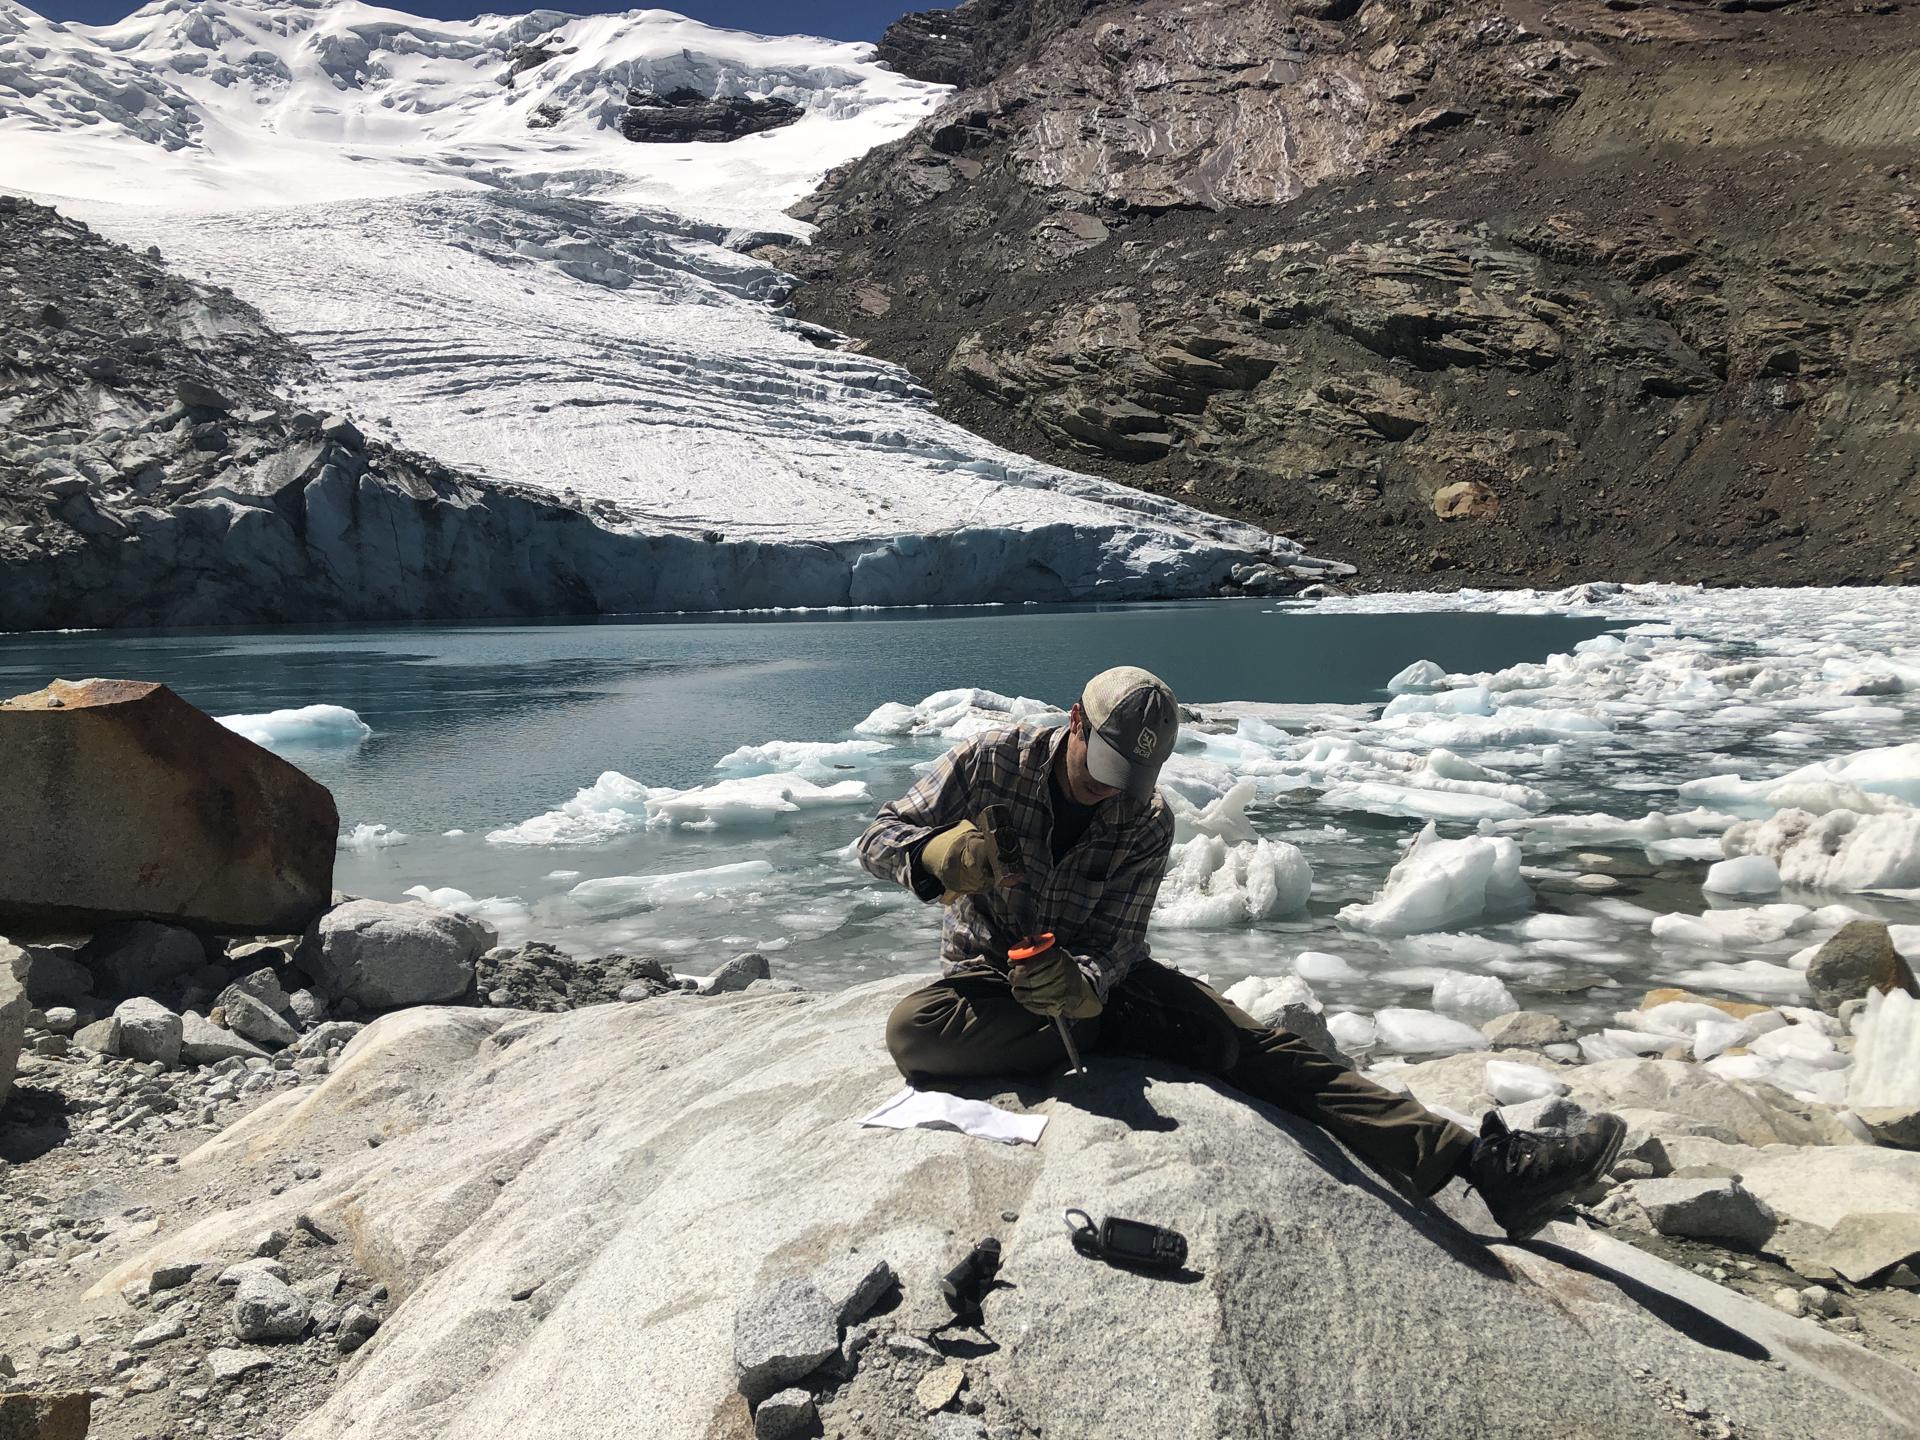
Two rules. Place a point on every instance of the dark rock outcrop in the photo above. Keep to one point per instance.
(687, 115)
(1641, 279)
(129, 802)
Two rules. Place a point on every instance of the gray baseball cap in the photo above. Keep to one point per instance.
(1132, 723)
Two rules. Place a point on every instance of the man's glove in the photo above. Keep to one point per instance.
(1053, 984)
(961, 859)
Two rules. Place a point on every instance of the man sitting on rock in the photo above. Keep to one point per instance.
(1093, 839)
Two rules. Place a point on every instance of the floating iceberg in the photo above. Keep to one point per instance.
(816, 760)
(674, 887)
(612, 806)
(309, 727)
(1840, 850)
(1421, 1032)
(752, 799)
(1441, 884)
(959, 714)
(1210, 884)
(364, 837)
(1473, 998)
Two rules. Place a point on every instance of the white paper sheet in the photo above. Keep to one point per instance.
(915, 1109)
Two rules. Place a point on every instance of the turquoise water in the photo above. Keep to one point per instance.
(482, 726)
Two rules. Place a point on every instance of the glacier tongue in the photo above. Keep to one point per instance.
(561, 311)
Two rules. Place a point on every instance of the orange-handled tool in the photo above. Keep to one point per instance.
(997, 821)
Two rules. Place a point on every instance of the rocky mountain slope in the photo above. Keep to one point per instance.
(1466, 289)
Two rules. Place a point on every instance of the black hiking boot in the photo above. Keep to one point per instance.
(1525, 1177)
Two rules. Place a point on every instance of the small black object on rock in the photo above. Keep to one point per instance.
(965, 1286)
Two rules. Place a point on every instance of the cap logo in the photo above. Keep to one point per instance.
(1143, 744)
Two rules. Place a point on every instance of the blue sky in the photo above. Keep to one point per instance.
(842, 19)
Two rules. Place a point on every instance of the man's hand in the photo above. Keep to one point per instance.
(1053, 984)
(961, 859)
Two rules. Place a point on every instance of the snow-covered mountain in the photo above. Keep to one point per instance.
(449, 215)
(295, 101)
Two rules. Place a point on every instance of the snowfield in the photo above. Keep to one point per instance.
(550, 305)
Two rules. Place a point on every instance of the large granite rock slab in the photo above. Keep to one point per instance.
(143, 806)
(571, 1209)
(13, 1028)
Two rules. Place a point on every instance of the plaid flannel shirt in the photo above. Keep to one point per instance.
(1095, 901)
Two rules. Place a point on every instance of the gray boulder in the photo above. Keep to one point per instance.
(102, 1036)
(261, 985)
(204, 1043)
(13, 1028)
(1864, 1246)
(51, 973)
(1527, 1030)
(323, 1039)
(267, 1308)
(141, 957)
(551, 1155)
(781, 1333)
(1859, 957)
(738, 973)
(148, 1031)
(384, 955)
(1718, 1208)
(786, 1413)
(853, 1285)
(251, 1018)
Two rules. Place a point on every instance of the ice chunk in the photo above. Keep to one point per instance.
(364, 837)
(1439, 884)
(1747, 977)
(1734, 929)
(612, 806)
(1744, 875)
(1892, 770)
(816, 760)
(1420, 802)
(1622, 1044)
(1420, 675)
(673, 887)
(1210, 884)
(1352, 1032)
(309, 727)
(1319, 965)
(1840, 850)
(1512, 1083)
(1473, 998)
(1265, 999)
(1886, 1063)
(1469, 700)
(958, 714)
(1421, 1032)
(1225, 816)
(751, 799)
(506, 913)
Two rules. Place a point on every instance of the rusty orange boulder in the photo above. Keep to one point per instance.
(126, 802)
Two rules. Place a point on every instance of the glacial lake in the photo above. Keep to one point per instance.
(482, 726)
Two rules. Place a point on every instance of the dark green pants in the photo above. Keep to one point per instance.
(968, 1025)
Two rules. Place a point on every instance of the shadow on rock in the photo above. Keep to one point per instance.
(1691, 1321)
(32, 1122)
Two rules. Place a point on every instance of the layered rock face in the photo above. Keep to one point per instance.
(577, 1213)
(130, 803)
(1464, 288)
(687, 115)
